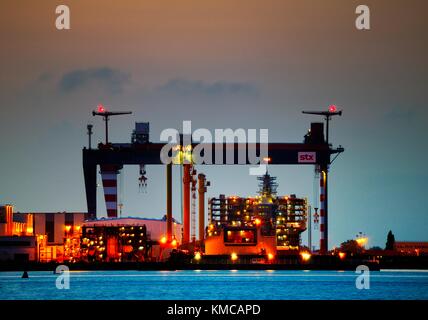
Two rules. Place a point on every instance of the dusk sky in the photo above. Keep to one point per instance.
(248, 64)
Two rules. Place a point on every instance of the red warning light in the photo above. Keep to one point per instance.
(101, 108)
(332, 108)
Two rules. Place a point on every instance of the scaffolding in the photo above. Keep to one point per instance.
(285, 216)
(193, 219)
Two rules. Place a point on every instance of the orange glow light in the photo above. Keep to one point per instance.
(305, 256)
(362, 241)
(67, 228)
(234, 256)
(174, 243)
(257, 222)
(342, 255)
(270, 256)
(197, 256)
(163, 240)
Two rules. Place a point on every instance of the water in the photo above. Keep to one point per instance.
(215, 285)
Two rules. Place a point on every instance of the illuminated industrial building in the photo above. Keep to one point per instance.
(58, 234)
(17, 241)
(291, 220)
(411, 247)
(12, 224)
(38, 236)
(261, 225)
(68, 237)
(125, 239)
(114, 241)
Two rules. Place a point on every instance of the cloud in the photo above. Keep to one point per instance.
(108, 79)
(184, 87)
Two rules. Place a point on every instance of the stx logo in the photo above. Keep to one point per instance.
(307, 157)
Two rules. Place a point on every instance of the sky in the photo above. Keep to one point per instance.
(248, 64)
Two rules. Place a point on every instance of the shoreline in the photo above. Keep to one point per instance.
(168, 266)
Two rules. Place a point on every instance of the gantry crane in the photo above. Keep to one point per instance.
(315, 150)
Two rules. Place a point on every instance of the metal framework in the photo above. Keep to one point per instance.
(285, 216)
(313, 151)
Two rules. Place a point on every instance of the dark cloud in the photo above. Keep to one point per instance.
(184, 87)
(106, 78)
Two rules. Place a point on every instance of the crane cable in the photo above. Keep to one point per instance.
(121, 191)
(315, 200)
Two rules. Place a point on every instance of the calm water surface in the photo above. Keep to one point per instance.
(218, 285)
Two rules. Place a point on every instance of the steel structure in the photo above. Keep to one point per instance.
(323, 170)
(284, 217)
(313, 151)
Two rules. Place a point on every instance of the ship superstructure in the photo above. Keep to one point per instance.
(263, 223)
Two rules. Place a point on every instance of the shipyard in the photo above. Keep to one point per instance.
(213, 159)
(258, 231)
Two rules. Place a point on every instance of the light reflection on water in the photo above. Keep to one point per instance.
(216, 285)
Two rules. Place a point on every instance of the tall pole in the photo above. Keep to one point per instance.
(327, 121)
(169, 201)
(89, 127)
(325, 170)
(310, 228)
(193, 212)
(326, 209)
(323, 210)
(186, 203)
(106, 121)
(201, 205)
(181, 202)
